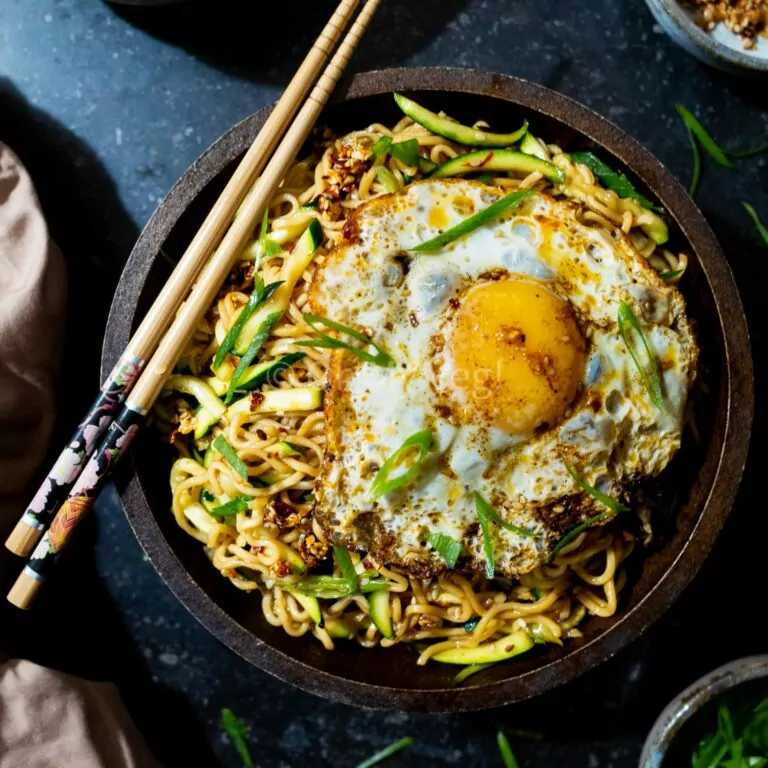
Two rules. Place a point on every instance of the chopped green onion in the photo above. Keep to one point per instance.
(381, 146)
(407, 152)
(613, 180)
(576, 530)
(536, 594)
(485, 526)
(470, 670)
(506, 751)
(470, 624)
(491, 513)
(383, 754)
(627, 319)
(612, 504)
(671, 275)
(260, 294)
(709, 144)
(266, 246)
(229, 455)
(207, 496)
(347, 568)
(234, 507)
(382, 483)
(449, 549)
(270, 321)
(380, 358)
(738, 153)
(407, 179)
(386, 178)
(474, 221)
(696, 174)
(761, 228)
(335, 587)
(237, 731)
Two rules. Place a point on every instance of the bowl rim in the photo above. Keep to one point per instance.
(699, 43)
(737, 373)
(689, 701)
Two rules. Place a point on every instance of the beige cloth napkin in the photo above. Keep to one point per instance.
(47, 719)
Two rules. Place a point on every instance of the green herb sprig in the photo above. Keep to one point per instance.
(347, 568)
(506, 750)
(761, 228)
(231, 508)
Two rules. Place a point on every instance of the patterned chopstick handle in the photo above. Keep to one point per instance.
(73, 458)
(86, 489)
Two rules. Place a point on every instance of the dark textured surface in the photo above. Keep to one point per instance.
(108, 107)
(705, 480)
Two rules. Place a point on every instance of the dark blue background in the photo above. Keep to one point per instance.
(108, 105)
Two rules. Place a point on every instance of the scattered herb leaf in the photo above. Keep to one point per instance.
(380, 358)
(706, 141)
(237, 731)
(381, 146)
(612, 504)
(473, 222)
(628, 319)
(613, 180)
(230, 456)
(234, 507)
(347, 568)
(382, 483)
(407, 152)
(449, 549)
(506, 751)
(383, 754)
(761, 228)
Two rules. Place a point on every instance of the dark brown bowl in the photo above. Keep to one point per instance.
(703, 480)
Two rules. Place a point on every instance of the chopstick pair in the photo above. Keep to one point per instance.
(72, 486)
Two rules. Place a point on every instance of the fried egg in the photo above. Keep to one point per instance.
(506, 348)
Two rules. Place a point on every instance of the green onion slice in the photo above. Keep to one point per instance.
(709, 144)
(347, 568)
(738, 153)
(628, 319)
(493, 515)
(334, 587)
(470, 624)
(761, 228)
(485, 526)
(475, 221)
(381, 146)
(386, 178)
(234, 507)
(270, 321)
(449, 549)
(613, 180)
(260, 294)
(380, 358)
(266, 246)
(407, 152)
(470, 670)
(671, 275)
(207, 496)
(696, 174)
(383, 483)
(229, 455)
(576, 530)
(612, 504)
(506, 751)
(383, 754)
(237, 731)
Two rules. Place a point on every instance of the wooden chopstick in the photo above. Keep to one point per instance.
(53, 492)
(123, 429)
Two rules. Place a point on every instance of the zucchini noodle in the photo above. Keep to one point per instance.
(268, 544)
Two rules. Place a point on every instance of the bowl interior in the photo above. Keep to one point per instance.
(682, 491)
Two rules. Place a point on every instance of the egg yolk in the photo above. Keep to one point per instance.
(518, 355)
